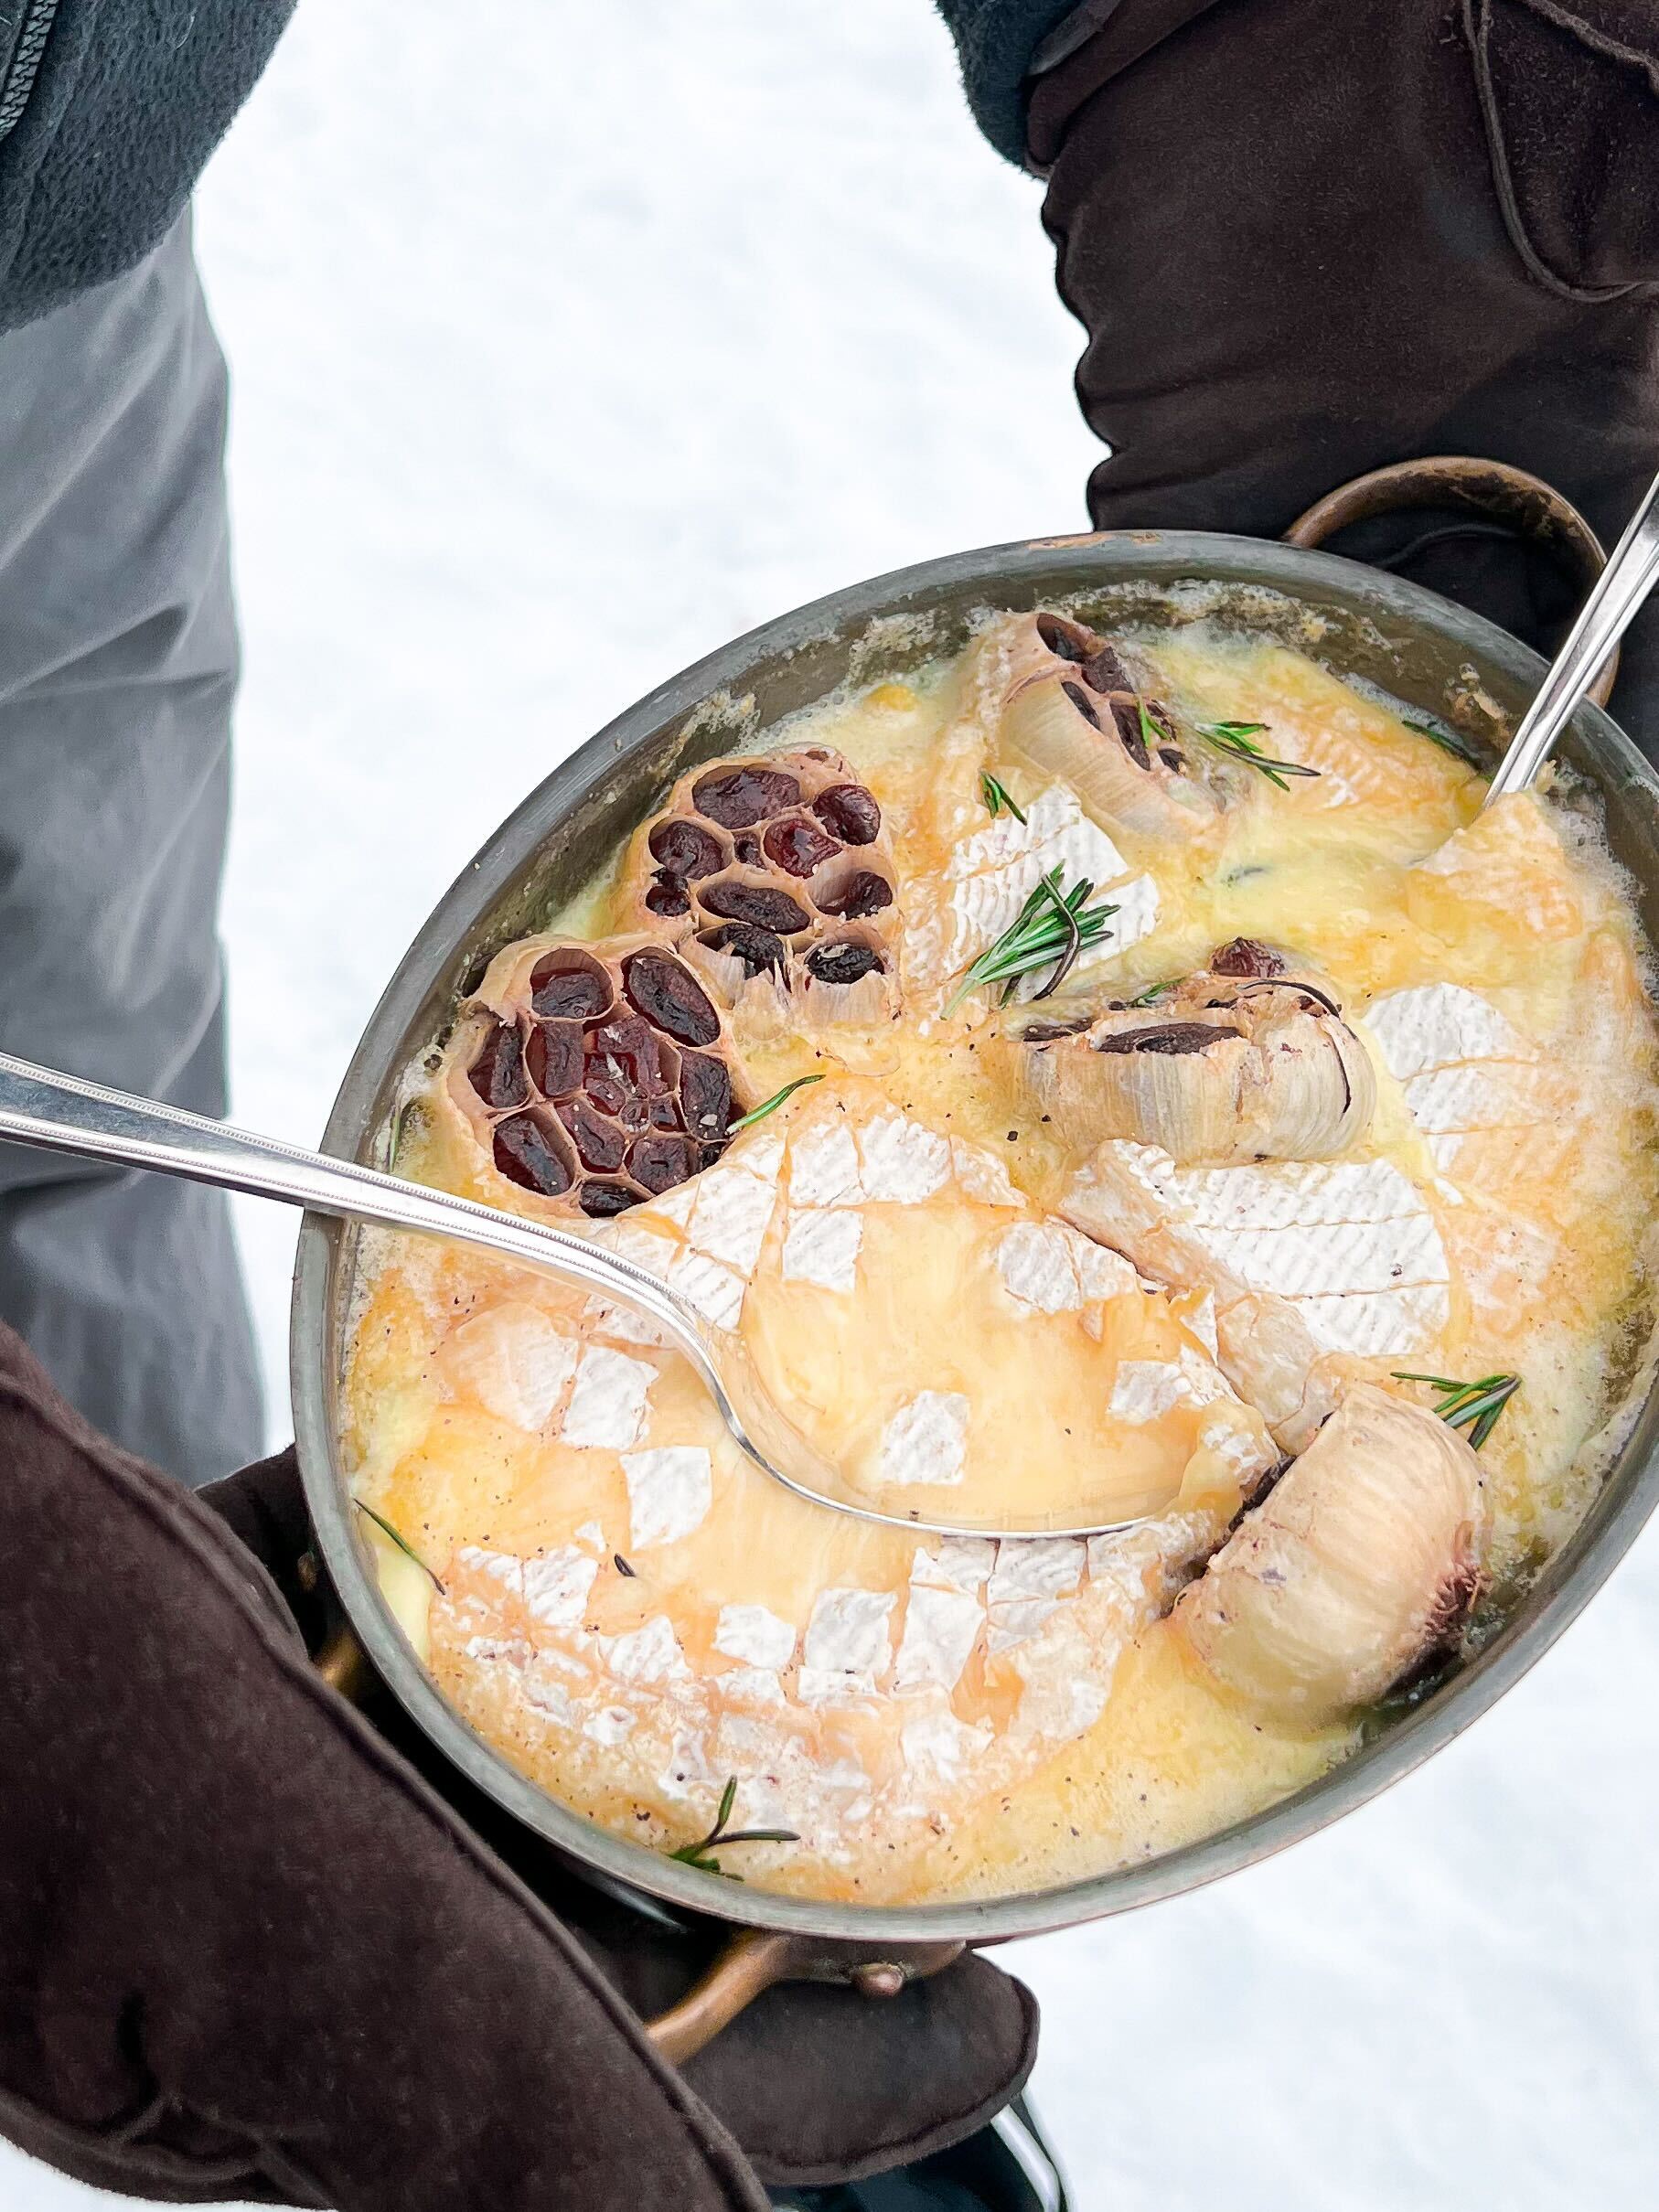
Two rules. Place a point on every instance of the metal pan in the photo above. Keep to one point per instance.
(1418, 647)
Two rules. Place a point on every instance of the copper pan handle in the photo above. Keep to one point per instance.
(756, 1959)
(1528, 506)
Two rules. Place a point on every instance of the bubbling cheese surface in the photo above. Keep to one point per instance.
(635, 1616)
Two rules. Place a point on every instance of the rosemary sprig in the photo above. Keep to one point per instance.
(1151, 996)
(1152, 733)
(1472, 1405)
(1233, 740)
(769, 1106)
(720, 1836)
(402, 1542)
(997, 797)
(1051, 928)
(1448, 741)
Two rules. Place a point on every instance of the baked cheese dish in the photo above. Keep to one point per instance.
(1115, 1076)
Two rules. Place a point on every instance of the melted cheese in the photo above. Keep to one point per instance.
(635, 1616)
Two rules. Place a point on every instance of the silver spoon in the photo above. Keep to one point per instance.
(60, 1113)
(1620, 589)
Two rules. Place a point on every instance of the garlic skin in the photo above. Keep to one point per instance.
(1069, 710)
(1219, 1071)
(1365, 1558)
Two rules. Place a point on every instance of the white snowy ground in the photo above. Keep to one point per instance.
(561, 359)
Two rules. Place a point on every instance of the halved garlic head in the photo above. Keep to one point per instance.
(1222, 1068)
(583, 1077)
(1070, 709)
(773, 875)
(1363, 1558)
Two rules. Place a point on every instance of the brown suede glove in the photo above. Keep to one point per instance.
(247, 1951)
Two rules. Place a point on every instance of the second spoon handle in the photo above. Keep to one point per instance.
(1622, 586)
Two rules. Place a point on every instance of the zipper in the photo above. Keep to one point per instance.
(18, 69)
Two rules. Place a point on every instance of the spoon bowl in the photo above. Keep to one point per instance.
(57, 1112)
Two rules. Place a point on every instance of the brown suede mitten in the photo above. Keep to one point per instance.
(246, 1950)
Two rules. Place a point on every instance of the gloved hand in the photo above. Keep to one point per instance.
(250, 1952)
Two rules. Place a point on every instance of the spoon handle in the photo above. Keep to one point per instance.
(58, 1112)
(1622, 588)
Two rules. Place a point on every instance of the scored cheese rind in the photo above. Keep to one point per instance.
(1496, 1113)
(952, 917)
(1307, 1262)
(842, 1672)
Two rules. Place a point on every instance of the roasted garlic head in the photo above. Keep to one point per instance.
(1241, 1062)
(774, 876)
(1363, 1558)
(592, 1075)
(1070, 711)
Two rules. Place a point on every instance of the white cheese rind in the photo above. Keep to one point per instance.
(941, 1628)
(556, 1584)
(648, 1653)
(608, 1400)
(926, 1441)
(1434, 1024)
(1047, 1267)
(990, 876)
(821, 1246)
(669, 1491)
(514, 1362)
(755, 1634)
(847, 1645)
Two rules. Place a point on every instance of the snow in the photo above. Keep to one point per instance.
(623, 332)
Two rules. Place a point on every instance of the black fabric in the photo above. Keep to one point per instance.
(129, 99)
(1306, 241)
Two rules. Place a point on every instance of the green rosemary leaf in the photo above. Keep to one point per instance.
(1151, 997)
(695, 1854)
(1067, 910)
(768, 1105)
(700, 1854)
(1152, 734)
(997, 797)
(1234, 740)
(1051, 927)
(1448, 742)
(402, 1542)
(1472, 1405)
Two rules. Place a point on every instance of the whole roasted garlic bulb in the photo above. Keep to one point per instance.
(773, 875)
(1222, 1068)
(1363, 1559)
(1070, 709)
(592, 1076)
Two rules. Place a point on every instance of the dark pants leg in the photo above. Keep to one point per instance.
(118, 662)
(1308, 238)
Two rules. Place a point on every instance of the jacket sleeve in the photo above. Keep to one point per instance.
(108, 110)
(996, 40)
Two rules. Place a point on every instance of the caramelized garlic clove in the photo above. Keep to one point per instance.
(1222, 1069)
(1362, 1560)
